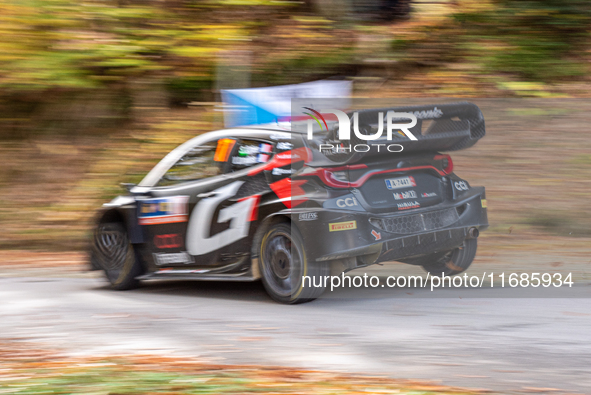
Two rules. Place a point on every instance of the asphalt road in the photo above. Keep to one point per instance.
(494, 342)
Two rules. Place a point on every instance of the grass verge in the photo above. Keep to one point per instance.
(29, 371)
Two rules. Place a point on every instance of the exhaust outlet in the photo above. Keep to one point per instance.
(473, 233)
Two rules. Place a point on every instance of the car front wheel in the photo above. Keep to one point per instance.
(114, 254)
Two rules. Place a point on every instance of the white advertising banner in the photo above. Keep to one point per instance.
(273, 104)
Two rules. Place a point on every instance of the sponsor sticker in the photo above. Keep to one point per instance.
(428, 194)
(461, 185)
(167, 210)
(401, 182)
(405, 195)
(284, 146)
(246, 150)
(287, 156)
(408, 205)
(263, 158)
(278, 171)
(347, 202)
(338, 226)
(308, 216)
(376, 235)
(249, 154)
(244, 160)
(173, 240)
(434, 113)
(428, 114)
(265, 148)
(163, 258)
(483, 202)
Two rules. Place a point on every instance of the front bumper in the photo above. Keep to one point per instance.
(338, 234)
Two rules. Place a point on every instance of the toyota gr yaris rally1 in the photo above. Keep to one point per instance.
(261, 202)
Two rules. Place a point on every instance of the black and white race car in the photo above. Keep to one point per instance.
(265, 203)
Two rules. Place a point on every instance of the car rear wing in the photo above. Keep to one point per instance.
(441, 127)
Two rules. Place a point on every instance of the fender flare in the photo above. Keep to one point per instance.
(128, 216)
(269, 220)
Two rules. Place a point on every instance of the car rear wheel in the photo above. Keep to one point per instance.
(283, 264)
(451, 262)
(115, 255)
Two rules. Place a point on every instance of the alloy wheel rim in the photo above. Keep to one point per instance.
(280, 259)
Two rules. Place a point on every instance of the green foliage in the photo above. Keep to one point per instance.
(540, 40)
(65, 44)
(527, 40)
(159, 375)
(306, 66)
(52, 49)
(567, 20)
(187, 89)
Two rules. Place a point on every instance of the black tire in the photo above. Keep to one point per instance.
(115, 255)
(283, 263)
(451, 262)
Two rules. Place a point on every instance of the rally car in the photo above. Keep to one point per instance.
(282, 205)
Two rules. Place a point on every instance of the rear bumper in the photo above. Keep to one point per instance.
(397, 236)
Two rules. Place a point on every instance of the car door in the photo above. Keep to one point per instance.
(199, 221)
(244, 195)
(168, 213)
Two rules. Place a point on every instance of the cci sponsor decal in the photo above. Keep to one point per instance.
(173, 240)
(163, 210)
(308, 216)
(408, 205)
(347, 202)
(401, 182)
(338, 226)
(461, 185)
(344, 202)
(405, 195)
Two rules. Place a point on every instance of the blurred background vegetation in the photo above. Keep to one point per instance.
(94, 92)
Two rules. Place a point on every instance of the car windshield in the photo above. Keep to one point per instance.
(156, 174)
(198, 156)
